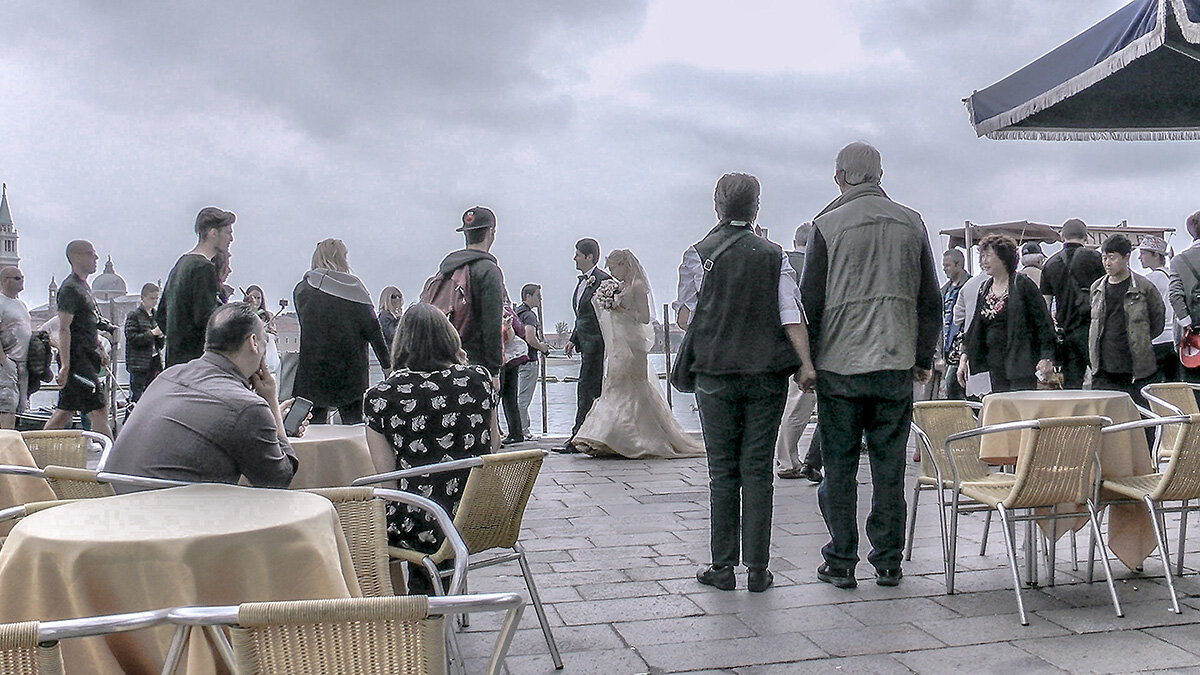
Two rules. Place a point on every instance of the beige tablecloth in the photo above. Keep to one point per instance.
(16, 490)
(199, 544)
(1130, 533)
(331, 455)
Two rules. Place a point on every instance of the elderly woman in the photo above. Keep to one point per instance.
(432, 408)
(1011, 334)
(337, 323)
(391, 306)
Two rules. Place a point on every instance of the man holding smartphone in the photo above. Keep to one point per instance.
(214, 419)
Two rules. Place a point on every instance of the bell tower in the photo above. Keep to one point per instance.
(8, 232)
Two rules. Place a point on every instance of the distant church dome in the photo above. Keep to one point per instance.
(109, 284)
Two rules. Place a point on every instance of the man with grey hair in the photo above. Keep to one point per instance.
(800, 404)
(1067, 278)
(870, 292)
(954, 265)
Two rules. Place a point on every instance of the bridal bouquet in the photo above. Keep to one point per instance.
(606, 293)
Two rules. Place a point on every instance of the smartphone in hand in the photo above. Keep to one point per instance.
(295, 416)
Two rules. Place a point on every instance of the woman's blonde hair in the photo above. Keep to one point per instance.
(426, 341)
(330, 255)
(385, 297)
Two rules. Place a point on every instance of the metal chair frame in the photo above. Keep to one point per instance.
(1155, 507)
(518, 552)
(512, 603)
(46, 635)
(1008, 520)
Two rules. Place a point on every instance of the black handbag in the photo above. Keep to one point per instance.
(683, 378)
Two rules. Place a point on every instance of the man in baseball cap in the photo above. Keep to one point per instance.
(1152, 254)
(482, 337)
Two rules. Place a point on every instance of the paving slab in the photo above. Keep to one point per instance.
(615, 545)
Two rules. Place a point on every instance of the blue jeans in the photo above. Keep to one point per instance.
(739, 415)
(879, 404)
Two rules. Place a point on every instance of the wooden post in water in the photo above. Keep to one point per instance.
(542, 374)
(666, 324)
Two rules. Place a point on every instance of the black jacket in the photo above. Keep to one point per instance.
(334, 334)
(586, 337)
(483, 343)
(142, 350)
(188, 299)
(1030, 331)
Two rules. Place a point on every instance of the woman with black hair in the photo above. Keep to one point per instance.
(1012, 327)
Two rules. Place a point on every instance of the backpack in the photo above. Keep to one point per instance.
(38, 360)
(1077, 296)
(451, 293)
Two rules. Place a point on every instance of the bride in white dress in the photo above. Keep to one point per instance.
(630, 419)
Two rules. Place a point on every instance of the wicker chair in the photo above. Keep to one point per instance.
(66, 447)
(932, 422)
(73, 483)
(399, 635)
(488, 517)
(1168, 399)
(31, 647)
(1058, 463)
(1179, 481)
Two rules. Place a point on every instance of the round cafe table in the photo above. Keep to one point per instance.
(331, 455)
(1130, 533)
(195, 545)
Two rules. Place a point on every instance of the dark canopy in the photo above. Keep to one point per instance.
(1133, 76)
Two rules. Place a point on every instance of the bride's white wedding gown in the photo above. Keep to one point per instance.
(631, 419)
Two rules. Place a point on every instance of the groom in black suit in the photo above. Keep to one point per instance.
(586, 338)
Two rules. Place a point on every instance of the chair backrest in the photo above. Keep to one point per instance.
(939, 419)
(62, 447)
(1178, 394)
(21, 655)
(74, 483)
(493, 501)
(1181, 476)
(1054, 464)
(365, 635)
(364, 524)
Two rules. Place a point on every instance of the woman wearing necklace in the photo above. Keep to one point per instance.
(1012, 330)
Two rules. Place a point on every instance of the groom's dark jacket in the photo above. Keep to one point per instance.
(586, 337)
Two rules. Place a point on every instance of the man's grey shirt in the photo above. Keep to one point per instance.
(200, 421)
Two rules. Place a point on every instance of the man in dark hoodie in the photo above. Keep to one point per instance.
(192, 289)
(482, 339)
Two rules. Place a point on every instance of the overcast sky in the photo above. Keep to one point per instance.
(381, 122)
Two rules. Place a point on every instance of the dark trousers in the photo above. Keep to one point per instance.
(508, 399)
(740, 416)
(1168, 361)
(351, 413)
(954, 390)
(1073, 357)
(879, 404)
(138, 383)
(591, 380)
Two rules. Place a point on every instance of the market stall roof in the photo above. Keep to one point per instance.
(1024, 230)
(1133, 76)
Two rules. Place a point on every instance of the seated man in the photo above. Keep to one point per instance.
(212, 419)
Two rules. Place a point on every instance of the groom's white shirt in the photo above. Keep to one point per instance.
(582, 284)
(691, 274)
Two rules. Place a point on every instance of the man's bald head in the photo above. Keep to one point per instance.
(79, 247)
(82, 256)
(12, 281)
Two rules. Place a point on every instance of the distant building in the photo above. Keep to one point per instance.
(8, 232)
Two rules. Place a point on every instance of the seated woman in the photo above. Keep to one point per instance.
(432, 408)
(1011, 328)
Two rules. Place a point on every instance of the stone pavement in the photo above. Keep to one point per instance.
(615, 544)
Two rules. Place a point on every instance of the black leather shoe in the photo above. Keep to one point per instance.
(511, 440)
(838, 577)
(888, 577)
(567, 448)
(718, 577)
(759, 579)
(812, 473)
